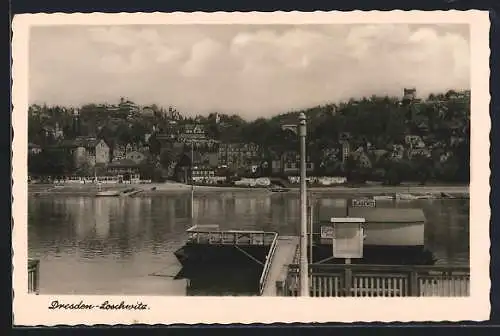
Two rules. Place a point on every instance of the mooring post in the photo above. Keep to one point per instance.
(304, 272)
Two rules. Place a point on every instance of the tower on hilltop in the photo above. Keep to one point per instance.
(409, 94)
(76, 122)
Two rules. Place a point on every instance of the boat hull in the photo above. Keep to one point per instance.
(394, 234)
(242, 279)
(200, 255)
(107, 194)
(383, 226)
(380, 255)
(391, 234)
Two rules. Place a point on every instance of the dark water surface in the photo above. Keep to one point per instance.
(125, 245)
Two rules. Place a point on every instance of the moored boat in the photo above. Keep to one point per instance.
(107, 193)
(279, 189)
(383, 197)
(405, 197)
(392, 236)
(208, 246)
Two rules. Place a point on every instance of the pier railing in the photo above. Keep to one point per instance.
(205, 235)
(358, 280)
(267, 264)
(33, 275)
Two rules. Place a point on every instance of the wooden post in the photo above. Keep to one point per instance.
(30, 277)
(348, 277)
(279, 288)
(37, 277)
(311, 218)
(33, 276)
(414, 290)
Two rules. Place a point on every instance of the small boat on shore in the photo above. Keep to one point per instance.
(402, 197)
(383, 197)
(279, 189)
(405, 197)
(107, 193)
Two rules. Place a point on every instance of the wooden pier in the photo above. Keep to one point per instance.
(279, 256)
(33, 275)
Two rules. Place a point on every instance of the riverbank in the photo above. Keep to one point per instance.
(153, 189)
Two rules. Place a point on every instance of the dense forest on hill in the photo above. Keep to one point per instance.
(375, 127)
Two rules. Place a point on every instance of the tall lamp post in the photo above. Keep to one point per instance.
(304, 266)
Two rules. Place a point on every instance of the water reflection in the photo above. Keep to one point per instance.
(110, 245)
(235, 282)
(103, 208)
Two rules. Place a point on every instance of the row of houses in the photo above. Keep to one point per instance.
(207, 152)
(93, 153)
(243, 158)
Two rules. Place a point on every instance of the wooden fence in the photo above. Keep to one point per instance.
(33, 276)
(357, 280)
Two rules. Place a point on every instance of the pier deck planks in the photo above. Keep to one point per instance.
(284, 255)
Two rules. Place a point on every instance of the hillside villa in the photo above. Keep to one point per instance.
(88, 151)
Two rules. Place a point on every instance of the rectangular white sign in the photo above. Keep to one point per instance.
(363, 203)
(327, 232)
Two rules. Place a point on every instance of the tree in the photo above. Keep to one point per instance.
(392, 168)
(380, 121)
(358, 167)
(51, 162)
(137, 132)
(463, 160)
(149, 171)
(84, 169)
(167, 157)
(420, 168)
(154, 145)
(107, 135)
(124, 134)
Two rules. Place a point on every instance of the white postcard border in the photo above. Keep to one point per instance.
(33, 309)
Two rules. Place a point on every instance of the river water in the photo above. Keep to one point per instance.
(125, 245)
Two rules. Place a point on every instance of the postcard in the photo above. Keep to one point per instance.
(250, 167)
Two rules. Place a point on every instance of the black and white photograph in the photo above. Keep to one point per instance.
(321, 160)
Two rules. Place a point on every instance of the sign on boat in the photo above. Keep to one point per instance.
(364, 203)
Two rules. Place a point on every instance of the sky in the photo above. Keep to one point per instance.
(250, 70)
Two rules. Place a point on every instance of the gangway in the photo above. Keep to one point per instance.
(281, 254)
